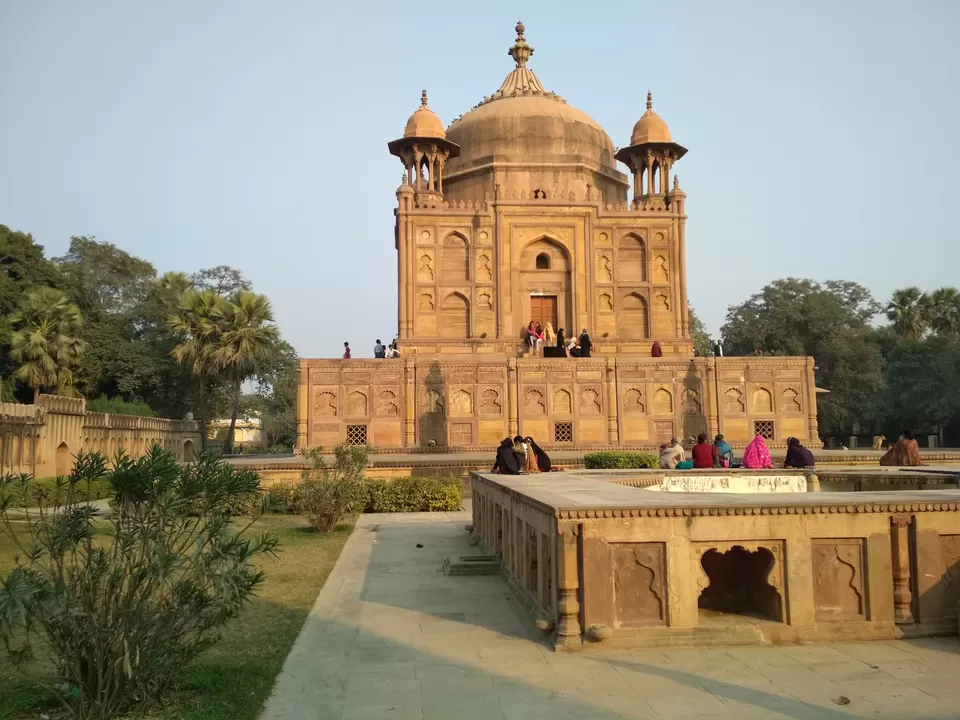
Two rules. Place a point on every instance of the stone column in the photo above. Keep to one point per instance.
(303, 405)
(902, 597)
(613, 433)
(512, 414)
(568, 635)
(649, 175)
(409, 404)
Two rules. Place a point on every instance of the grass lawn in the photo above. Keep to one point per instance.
(232, 679)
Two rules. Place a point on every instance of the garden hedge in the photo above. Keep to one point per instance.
(619, 460)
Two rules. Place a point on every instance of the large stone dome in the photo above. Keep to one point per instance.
(531, 127)
(523, 138)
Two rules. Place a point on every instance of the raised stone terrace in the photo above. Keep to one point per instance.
(598, 559)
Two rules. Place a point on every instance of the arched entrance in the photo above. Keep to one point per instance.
(544, 285)
(62, 460)
(189, 453)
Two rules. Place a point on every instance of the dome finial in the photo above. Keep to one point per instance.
(423, 98)
(649, 100)
(520, 52)
(676, 182)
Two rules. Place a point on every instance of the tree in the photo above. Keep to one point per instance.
(942, 311)
(22, 268)
(923, 385)
(908, 312)
(276, 388)
(222, 279)
(196, 322)
(45, 343)
(103, 279)
(246, 339)
(828, 321)
(702, 343)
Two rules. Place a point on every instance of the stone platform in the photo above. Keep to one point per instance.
(605, 563)
(392, 637)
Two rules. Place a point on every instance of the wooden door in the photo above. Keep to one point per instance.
(543, 309)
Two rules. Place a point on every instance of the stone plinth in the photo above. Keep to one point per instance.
(611, 564)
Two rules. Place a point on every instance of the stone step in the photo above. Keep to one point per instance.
(472, 565)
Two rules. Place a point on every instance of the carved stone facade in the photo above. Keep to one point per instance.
(618, 401)
(516, 212)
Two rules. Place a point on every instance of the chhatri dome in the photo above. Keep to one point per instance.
(524, 122)
(650, 128)
(424, 123)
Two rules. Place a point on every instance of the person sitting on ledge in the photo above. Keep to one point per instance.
(702, 452)
(797, 455)
(507, 462)
(905, 451)
(757, 456)
(543, 460)
(672, 455)
(722, 452)
(656, 350)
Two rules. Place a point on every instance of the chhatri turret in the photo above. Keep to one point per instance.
(424, 150)
(650, 156)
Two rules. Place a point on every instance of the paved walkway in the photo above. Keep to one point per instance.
(391, 636)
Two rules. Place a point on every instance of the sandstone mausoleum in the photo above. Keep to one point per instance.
(522, 209)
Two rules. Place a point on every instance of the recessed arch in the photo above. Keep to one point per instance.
(62, 460)
(455, 316)
(557, 254)
(543, 261)
(632, 258)
(634, 319)
(454, 258)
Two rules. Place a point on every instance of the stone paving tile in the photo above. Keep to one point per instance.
(391, 637)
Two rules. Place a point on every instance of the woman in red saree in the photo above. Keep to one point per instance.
(906, 451)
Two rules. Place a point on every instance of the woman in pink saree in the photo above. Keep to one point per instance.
(757, 456)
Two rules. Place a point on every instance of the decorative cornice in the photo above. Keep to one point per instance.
(825, 509)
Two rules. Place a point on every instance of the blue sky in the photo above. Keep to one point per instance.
(822, 136)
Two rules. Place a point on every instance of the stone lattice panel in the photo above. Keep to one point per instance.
(838, 584)
(639, 584)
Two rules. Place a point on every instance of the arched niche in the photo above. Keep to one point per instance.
(634, 320)
(454, 258)
(455, 316)
(632, 259)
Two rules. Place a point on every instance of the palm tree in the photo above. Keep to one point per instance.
(197, 321)
(46, 341)
(248, 338)
(907, 312)
(943, 311)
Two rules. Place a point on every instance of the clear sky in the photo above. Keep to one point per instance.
(822, 135)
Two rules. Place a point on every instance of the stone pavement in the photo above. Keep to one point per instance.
(390, 636)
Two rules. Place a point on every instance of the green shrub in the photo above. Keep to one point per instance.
(619, 460)
(414, 494)
(285, 498)
(330, 492)
(118, 608)
(119, 406)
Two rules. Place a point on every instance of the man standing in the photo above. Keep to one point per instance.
(378, 350)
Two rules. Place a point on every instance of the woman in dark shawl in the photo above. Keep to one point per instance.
(561, 343)
(543, 460)
(797, 455)
(585, 344)
(506, 462)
